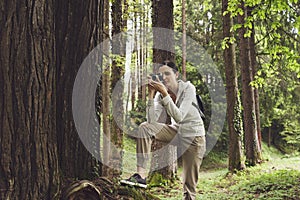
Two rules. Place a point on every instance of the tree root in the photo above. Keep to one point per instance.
(103, 189)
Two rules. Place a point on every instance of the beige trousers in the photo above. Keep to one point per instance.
(192, 148)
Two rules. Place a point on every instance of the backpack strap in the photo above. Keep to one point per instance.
(199, 110)
(179, 99)
(200, 106)
(200, 102)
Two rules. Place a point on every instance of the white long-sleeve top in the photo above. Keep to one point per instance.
(185, 116)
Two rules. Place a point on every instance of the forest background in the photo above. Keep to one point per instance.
(253, 44)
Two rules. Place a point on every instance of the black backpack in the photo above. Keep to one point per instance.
(200, 106)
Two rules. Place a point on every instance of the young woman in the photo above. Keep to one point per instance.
(174, 99)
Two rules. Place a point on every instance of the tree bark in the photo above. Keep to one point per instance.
(106, 91)
(251, 140)
(29, 164)
(234, 118)
(143, 52)
(77, 34)
(254, 67)
(162, 17)
(183, 41)
(45, 43)
(117, 98)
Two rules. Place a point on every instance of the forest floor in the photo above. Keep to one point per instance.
(278, 177)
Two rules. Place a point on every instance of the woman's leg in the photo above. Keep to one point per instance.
(148, 132)
(191, 162)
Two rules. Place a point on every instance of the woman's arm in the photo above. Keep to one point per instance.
(180, 113)
(155, 110)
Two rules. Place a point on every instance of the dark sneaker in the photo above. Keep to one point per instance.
(135, 180)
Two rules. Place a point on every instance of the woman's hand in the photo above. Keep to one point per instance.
(151, 89)
(158, 86)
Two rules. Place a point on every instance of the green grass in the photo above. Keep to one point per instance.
(277, 178)
(277, 184)
(129, 157)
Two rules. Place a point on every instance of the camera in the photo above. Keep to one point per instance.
(157, 77)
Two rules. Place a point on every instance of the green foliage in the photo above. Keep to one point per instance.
(137, 115)
(276, 33)
(203, 22)
(279, 105)
(226, 41)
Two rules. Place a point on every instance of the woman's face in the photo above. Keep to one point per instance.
(169, 77)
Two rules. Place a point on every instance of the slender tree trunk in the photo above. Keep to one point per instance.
(251, 140)
(99, 94)
(28, 161)
(234, 116)
(162, 17)
(143, 53)
(117, 98)
(254, 66)
(183, 41)
(106, 91)
(138, 65)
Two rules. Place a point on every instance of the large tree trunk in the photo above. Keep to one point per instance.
(45, 43)
(251, 140)
(234, 118)
(163, 42)
(29, 164)
(77, 34)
